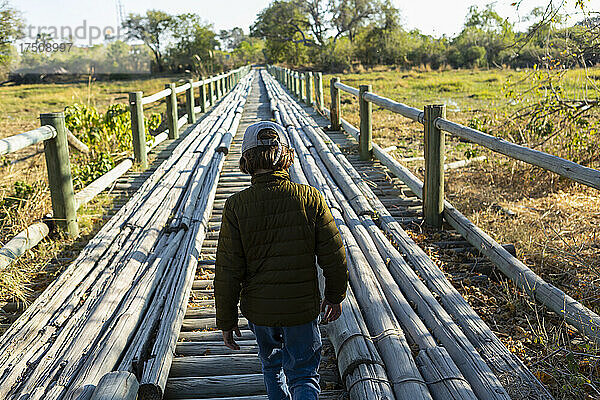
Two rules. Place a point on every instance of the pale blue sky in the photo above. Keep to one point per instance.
(447, 18)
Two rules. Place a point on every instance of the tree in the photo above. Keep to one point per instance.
(350, 15)
(11, 28)
(484, 37)
(231, 39)
(283, 26)
(194, 44)
(152, 29)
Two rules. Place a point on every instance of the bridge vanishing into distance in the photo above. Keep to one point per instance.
(133, 315)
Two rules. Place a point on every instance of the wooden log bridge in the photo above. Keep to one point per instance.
(133, 316)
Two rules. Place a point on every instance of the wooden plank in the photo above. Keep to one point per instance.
(212, 336)
(210, 365)
(172, 118)
(336, 107)
(214, 348)
(221, 386)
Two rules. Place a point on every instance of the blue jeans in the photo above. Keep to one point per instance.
(290, 358)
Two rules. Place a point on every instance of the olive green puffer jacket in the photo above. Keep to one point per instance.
(270, 234)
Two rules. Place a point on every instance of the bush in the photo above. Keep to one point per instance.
(107, 135)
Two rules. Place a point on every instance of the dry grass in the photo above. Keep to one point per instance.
(553, 223)
(21, 106)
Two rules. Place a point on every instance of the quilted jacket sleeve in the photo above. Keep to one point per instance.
(230, 268)
(331, 255)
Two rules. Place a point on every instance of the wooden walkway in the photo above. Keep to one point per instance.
(204, 367)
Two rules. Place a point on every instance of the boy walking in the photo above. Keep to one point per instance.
(270, 235)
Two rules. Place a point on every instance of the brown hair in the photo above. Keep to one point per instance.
(262, 157)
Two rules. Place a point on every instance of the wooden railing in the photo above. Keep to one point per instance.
(56, 138)
(211, 90)
(431, 191)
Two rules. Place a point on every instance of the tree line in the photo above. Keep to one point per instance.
(331, 35)
(335, 34)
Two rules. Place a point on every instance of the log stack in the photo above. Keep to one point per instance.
(119, 305)
(451, 360)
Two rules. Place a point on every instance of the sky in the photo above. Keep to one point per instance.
(435, 17)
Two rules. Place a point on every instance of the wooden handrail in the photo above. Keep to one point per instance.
(348, 89)
(568, 169)
(406, 111)
(17, 142)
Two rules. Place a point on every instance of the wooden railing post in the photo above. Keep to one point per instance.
(190, 102)
(138, 129)
(172, 112)
(202, 95)
(366, 124)
(336, 112)
(302, 88)
(433, 185)
(309, 88)
(210, 93)
(319, 90)
(294, 84)
(59, 174)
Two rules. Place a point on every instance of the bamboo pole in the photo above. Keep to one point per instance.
(569, 169)
(502, 355)
(493, 351)
(76, 307)
(118, 385)
(76, 143)
(59, 174)
(433, 190)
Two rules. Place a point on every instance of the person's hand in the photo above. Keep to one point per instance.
(330, 311)
(228, 338)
